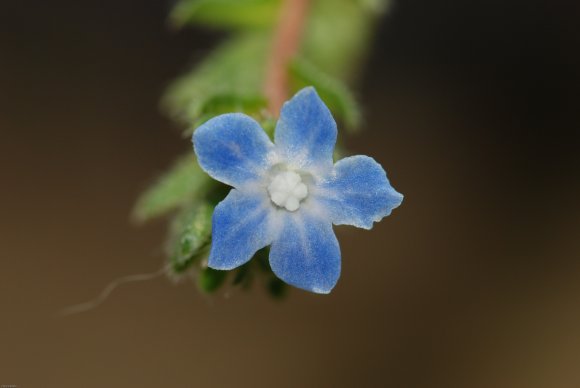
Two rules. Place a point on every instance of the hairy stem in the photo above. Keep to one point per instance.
(284, 46)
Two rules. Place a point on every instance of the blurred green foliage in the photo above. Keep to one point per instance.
(210, 279)
(334, 92)
(182, 185)
(226, 13)
(191, 234)
(231, 79)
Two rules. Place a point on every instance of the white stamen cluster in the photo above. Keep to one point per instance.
(287, 190)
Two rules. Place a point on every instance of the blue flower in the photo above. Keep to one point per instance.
(289, 194)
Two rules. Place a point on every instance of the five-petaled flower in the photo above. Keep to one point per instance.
(289, 194)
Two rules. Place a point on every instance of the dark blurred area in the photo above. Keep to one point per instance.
(471, 106)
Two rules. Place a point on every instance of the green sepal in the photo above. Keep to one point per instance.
(244, 275)
(277, 288)
(190, 236)
(262, 260)
(210, 279)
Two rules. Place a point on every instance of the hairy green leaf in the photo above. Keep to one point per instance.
(230, 80)
(183, 183)
(226, 13)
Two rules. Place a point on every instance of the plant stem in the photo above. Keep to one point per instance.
(284, 46)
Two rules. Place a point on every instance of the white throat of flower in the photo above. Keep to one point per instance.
(287, 190)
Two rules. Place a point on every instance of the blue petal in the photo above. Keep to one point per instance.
(240, 226)
(306, 254)
(358, 193)
(232, 148)
(306, 131)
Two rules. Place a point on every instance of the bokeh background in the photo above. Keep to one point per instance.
(472, 107)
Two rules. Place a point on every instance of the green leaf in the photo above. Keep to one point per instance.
(376, 6)
(211, 279)
(334, 92)
(183, 183)
(337, 35)
(230, 80)
(192, 236)
(226, 13)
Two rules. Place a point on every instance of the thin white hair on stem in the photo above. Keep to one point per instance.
(83, 307)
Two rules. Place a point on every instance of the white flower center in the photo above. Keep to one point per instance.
(287, 190)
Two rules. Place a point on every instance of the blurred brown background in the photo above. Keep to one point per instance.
(472, 107)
